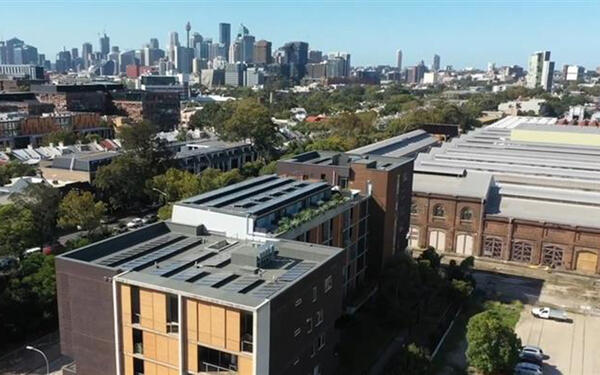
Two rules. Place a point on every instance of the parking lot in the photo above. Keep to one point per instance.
(573, 348)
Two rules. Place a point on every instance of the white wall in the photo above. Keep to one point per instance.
(262, 338)
(232, 225)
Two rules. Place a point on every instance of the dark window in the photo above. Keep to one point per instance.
(138, 366)
(246, 331)
(216, 361)
(172, 314)
(521, 251)
(343, 182)
(323, 177)
(135, 305)
(466, 214)
(438, 211)
(138, 341)
(492, 247)
(552, 256)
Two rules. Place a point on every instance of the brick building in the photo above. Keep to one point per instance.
(160, 108)
(523, 190)
(386, 181)
(78, 98)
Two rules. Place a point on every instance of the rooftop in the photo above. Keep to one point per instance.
(188, 259)
(333, 158)
(402, 145)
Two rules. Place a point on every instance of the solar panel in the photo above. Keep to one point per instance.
(217, 260)
(213, 278)
(242, 283)
(160, 254)
(170, 267)
(188, 274)
(137, 250)
(268, 290)
(295, 272)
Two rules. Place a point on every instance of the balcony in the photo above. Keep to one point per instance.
(211, 369)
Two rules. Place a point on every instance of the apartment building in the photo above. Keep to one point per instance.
(176, 299)
(386, 181)
(524, 190)
(271, 207)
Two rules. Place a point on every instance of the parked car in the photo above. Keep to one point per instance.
(524, 368)
(135, 223)
(33, 250)
(149, 219)
(8, 264)
(550, 313)
(531, 354)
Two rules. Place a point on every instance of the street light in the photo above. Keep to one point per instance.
(29, 347)
(162, 193)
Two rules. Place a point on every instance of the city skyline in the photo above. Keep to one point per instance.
(373, 44)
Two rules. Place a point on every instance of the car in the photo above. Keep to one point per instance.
(33, 250)
(135, 223)
(120, 228)
(550, 313)
(8, 264)
(149, 219)
(533, 352)
(525, 368)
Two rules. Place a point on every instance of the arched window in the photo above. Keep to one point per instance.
(466, 214)
(414, 208)
(438, 211)
(492, 247)
(552, 256)
(521, 251)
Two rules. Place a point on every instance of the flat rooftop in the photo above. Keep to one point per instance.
(340, 159)
(176, 257)
(402, 145)
(256, 196)
(187, 149)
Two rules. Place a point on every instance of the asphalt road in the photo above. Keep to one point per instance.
(572, 348)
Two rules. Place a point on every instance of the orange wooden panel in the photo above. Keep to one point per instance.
(146, 309)
(174, 352)
(217, 326)
(127, 340)
(244, 365)
(126, 303)
(149, 368)
(149, 345)
(162, 349)
(128, 365)
(162, 370)
(172, 371)
(204, 323)
(192, 357)
(160, 312)
(192, 320)
(232, 328)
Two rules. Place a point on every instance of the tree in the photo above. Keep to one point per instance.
(492, 346)
(140, 140)
(65, 137)
(14, 169)
(79, 209)
(431, 256)
(176, 184)
(42, 201)
(251, 120)
(17, 230)
(412, 360)
(122, 182)
(211, 116)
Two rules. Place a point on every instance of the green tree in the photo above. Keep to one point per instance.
(67, 137)
(14, 169)
(42, 201)
(79, 209)
(412, 360)
(431, 256)
(211, 116)
(493, 347)
(251, 120)
(122, 182)
(17, 230)
(176, 184)
(270, 168)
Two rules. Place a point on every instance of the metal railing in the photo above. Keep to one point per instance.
(247, 346)
(209, 368)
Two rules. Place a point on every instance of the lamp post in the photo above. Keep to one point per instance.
(29, 347)
(162, 193)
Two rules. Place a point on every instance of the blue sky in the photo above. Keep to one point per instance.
(462, 32)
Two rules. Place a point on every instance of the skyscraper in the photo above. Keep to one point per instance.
(540, 70)
(188, 27)
(262, 52)
(154, 43)
(346, 57)
(399, 59)
(315, 56)
(235, 51)
(173, 44)
(104, 45)
(225, 35)
(86, 54)
(436, 63)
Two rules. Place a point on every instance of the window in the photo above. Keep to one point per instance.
(437, 240)
(246, 330)
(135, 305)
(343, 182)
(297, 331)
(319, 318)
(414, 237)
(321, 341)
(309, 325)
(328, 283)
(521, 251)
(414, 208)
(216, 361)
(172, 314)
(492, 247)
(552, 256)
(138, 341)
(314, 294)
(438, 211)
(298, 302)
(138, 366)
(316, 370)
(466, 214)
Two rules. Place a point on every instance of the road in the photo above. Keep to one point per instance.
(573, 348)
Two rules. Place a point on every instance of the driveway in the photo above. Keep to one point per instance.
(573, 348)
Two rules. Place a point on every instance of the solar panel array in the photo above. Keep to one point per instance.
(213, 278)
(169, 266)
(217, 260)
(240, 284)
(295, 272)
(268, 289)
(188, 274)
(137, 250)
(158, 255)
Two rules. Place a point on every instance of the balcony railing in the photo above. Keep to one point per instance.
(172, 327)
(210, 369)
(247, 346)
